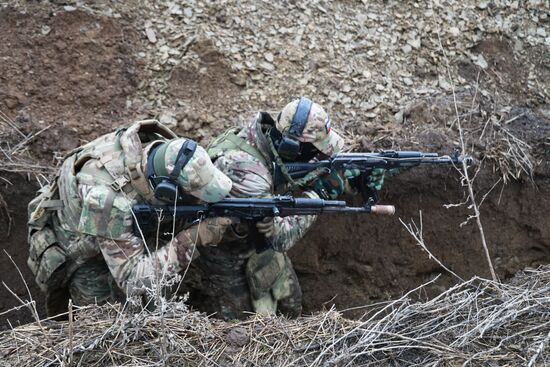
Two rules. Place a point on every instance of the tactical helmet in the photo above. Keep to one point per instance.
(308, 122)
(185, 162)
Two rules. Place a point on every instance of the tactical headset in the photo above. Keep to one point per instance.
(288, 145)
(166, 187)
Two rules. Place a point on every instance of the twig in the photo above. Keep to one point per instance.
(465, 174)
(71, 331)
(539, 350)
(416, 233)
(4, 118)
(26, 140)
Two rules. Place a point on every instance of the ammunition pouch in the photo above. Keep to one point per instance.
(46, 257)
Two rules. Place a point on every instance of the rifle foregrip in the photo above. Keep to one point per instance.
(382, 209)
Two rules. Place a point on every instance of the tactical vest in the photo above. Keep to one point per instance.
(113, 162)
(231, 141)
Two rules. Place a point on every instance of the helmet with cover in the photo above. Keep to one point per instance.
(307, 122)
(303, 121)
(186, 163)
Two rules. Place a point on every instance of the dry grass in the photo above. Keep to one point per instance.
(14, 158)
(510, 154)
(478, 322)
(13, 149)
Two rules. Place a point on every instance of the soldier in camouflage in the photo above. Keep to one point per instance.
(80, 227)
(236, 279)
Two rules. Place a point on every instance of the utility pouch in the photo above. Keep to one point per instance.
(46, 259)
(262, 272)
(51, 273)
(38, 215)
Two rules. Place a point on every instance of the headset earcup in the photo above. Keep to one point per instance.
(166, 191)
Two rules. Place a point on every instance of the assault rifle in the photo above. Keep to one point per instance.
(365, 163)
(252, 210)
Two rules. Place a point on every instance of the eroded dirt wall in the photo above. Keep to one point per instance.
(356, 260)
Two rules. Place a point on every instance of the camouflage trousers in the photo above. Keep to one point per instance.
(236, 283)
(90, 283)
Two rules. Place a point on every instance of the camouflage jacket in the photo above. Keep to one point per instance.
(96, 218)
(251, 177)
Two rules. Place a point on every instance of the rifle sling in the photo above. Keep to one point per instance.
(230, 140)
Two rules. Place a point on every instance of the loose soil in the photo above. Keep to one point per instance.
(81, 74)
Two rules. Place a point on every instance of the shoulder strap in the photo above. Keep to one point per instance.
(184, 156)
(132, 146)
(230, 140)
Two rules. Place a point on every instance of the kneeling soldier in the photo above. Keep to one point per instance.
(80, 226)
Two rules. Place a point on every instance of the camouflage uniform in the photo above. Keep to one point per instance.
(236, 279)
(80, 227)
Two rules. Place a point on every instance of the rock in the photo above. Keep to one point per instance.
(45, 30)
(239, 79)
(444, 84)
(454, 31)
(399, 117)
(176, 10)
(186, 125)
(11, 103)
(481, 62)
(415, 43)
(406, 49)
(238, 336)
(420, 61)
(168, 118)
(150, 33)
(267, 66)
(268, 56)
(366, 106)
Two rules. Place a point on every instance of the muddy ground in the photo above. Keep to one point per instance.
(78, 74)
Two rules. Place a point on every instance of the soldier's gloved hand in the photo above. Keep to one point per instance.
(266, 227)
(208, 232)
(376, 179)
(394, 171)
(329, 186)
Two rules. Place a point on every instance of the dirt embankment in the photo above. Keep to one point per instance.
(65, 77)
(82, 74)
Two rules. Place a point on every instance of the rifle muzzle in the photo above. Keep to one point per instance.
(382, 209)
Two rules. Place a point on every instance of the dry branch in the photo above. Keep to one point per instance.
(468, 181)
